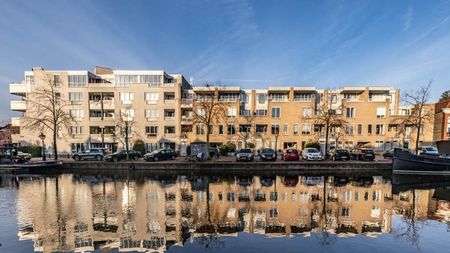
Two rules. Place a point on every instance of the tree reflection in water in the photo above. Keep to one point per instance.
(85, 213)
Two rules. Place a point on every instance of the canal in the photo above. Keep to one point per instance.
(245, 213)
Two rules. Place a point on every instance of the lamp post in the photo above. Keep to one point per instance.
(42, 137)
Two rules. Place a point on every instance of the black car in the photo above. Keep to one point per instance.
(363, 154)
(340, 155)
(90, 154)
(267, 154)
(122, 155)
(160, 155)
(214, 152)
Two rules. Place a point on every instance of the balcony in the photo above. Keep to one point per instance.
(186, 120)
(19, 89)
(100, 118)
(17, 105)
(107, 104)
(98, 138)
(186, 103)
(15, 121)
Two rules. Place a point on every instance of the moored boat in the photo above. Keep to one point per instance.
(37, 164)
(406, 163)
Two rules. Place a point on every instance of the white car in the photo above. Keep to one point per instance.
(429, 150)
(311, 154)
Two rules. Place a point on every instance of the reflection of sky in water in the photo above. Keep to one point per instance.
(251, 214)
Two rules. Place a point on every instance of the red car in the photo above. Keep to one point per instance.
(291, 154)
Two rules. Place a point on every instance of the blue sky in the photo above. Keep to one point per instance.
(248, 43)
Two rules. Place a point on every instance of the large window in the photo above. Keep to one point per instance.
(381, 112)
(261, 128)
(126, 97)
(200, 129)
(262, 98)
(75, 98)
(151, 79)
(151, 97)
(350, 112)
(151, 114)
(125, 80)
(275, 129)
(306, 112)
(276, 112)
(278, 97)
(349, 129)
(77, 114)
(76, 130)
(232, 112)
(151, 130)
(303, 97)
(77, 80)
(295, 128)
(260, 112)
(169, 130)
(231, 129)
(379, 129)
(306, 129)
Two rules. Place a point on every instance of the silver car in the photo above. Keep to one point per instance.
(244, 154)
(311, 154)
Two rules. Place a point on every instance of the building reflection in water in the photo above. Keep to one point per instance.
(81, 213)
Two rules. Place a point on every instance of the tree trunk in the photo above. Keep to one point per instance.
(207, 141)
(327, 130)
(126, 141)
(55, 146)
(417, 140)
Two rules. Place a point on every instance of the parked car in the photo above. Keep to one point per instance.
(122, 155)
(363, 154)
(26, 156)
(429, 150)
(160, 155)
(312, 154)
(267, 154)
(388, 153)
(290, 154)
(214, 152)
(90, 154)
(244, 154)
(339, 155)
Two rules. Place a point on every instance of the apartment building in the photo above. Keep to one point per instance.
(161, 110)
(99, 103)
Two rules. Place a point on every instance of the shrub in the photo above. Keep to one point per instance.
(313, 145)
(139, 145)
(226, 148)
(250, 145)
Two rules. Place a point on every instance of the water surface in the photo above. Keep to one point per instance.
(223, 214)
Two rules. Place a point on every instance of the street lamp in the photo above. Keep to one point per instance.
(42, 137)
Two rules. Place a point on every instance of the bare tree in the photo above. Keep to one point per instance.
(246, 133)
(208, 111)
(327, 118)
(47, 110)
(445, 95)
(420, 113)
(124, 125)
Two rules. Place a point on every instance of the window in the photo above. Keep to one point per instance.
(75, 97)
(231, 112)
(276, 111)
(369, 129)
(381, 112)
(261, 112)
(273, 213)
(333, 99)
(278, 97)
(29, 79)
(151, 97)
(295, 129)
(151, 114)
(200, 129)
(169, 96)
(126, 97)
(273, 196)
(57, 80)
(151, 130)
(306, 112)
(231, 129)
(275, 129)
(345, 212)
(245, 128)
(229, 97)
(76, 130)
(124, 80)
(262, 98)
(285, 129)
(127, 114)
(347, 196)
(379, 129)
(303, 97)
(220, 129)
(359, 129)
(151, 79)
(230, 197)
(169, 130)
(77, 114)
(306, 129)
(170, 113)
(351, 96)
(349, 130)
(350, 112)
(77, 80)
(261, 128)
